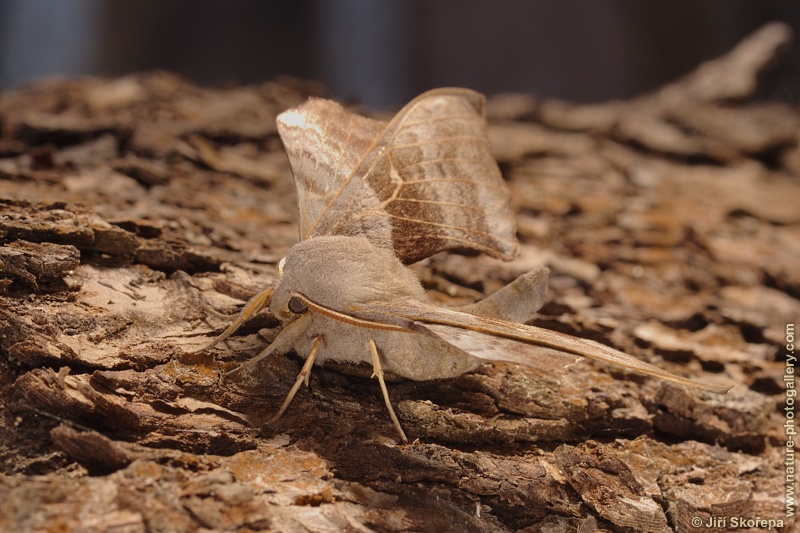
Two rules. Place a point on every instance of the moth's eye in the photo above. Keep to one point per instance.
(297, 306)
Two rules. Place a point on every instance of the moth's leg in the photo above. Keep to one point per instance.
(285, 341)
(377, 371)
(516, 302)
(253, 307)
(305, 372)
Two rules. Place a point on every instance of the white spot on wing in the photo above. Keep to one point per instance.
(299, 119)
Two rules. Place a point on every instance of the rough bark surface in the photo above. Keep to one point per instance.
(135, 212)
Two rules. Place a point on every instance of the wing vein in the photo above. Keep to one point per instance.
(456, 180)
(442, 225)
(438, 202)
(440, 118)
(441, 160)
(440, 140)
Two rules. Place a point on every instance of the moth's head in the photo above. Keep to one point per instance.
(338, 271)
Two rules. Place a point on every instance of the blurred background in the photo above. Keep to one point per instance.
(385, 52)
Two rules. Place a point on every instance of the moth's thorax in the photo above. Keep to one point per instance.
(337, 271)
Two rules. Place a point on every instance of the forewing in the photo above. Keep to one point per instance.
(427, 182)
(441, 321)
(493, 348)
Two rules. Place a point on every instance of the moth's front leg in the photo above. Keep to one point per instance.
(257, 304)
(305, 372)
(377, 371)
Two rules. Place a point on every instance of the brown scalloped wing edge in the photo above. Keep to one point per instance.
(426, 182)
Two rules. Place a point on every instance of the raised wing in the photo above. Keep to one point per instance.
(325, 144)
(464, 330)
(424, 182)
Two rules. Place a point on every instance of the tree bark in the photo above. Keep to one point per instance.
(135, 212)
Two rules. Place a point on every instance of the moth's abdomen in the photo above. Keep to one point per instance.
(408, 355)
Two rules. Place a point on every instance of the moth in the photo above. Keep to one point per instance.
(375, 197)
